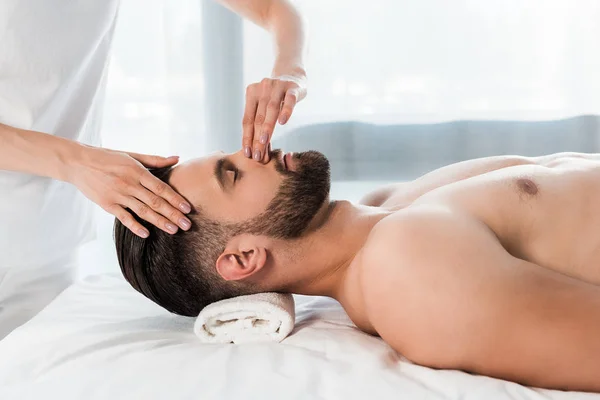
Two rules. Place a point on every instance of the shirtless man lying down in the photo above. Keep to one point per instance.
(490, 266)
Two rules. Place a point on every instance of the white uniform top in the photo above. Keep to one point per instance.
(53, 66)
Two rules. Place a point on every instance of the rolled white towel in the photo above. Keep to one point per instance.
(261, 317)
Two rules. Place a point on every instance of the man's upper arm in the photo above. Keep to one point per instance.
(410, 191)
(447, 295)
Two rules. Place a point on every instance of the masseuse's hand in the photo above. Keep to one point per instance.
(267, 102)
(118, 181)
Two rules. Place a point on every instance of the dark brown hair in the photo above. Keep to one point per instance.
(172, 270)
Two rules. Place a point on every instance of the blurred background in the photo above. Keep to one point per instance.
(396, 88)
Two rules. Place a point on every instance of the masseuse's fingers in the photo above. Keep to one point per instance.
(268, 102)
(164, 191)
(248, 120)
(112, 179)
(279, 108)
(268, 127)
(155, 209)
(128, 221)
(165, 201)
(145, 212)
(259, 143)
(289, 102)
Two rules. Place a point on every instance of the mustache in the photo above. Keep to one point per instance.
(275, 153)
(275, 156)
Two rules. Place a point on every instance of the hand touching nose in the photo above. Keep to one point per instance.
(268, 102)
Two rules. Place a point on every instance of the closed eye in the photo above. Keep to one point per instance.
(235, 173)
(222, 170)
(230, 167)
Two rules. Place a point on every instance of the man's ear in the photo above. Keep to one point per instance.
(240, 262)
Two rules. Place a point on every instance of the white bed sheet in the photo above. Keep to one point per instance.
(102, 340)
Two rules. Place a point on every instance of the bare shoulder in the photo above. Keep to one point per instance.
(415, 278)
(440, 289)
(410, 233)
(379, 196)
(403, 246)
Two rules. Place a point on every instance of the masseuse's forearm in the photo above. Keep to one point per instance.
(285, 23)
(290, 33)
(35, 152)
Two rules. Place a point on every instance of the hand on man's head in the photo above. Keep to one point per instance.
(120, 183)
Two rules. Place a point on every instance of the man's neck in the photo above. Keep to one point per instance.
(324, 257)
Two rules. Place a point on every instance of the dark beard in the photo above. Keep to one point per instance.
(299, 198)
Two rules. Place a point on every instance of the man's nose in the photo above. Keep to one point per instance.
(239, 153)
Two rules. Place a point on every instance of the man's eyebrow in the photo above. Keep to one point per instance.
(219, 172)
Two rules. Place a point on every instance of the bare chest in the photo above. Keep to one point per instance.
(550, 216)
